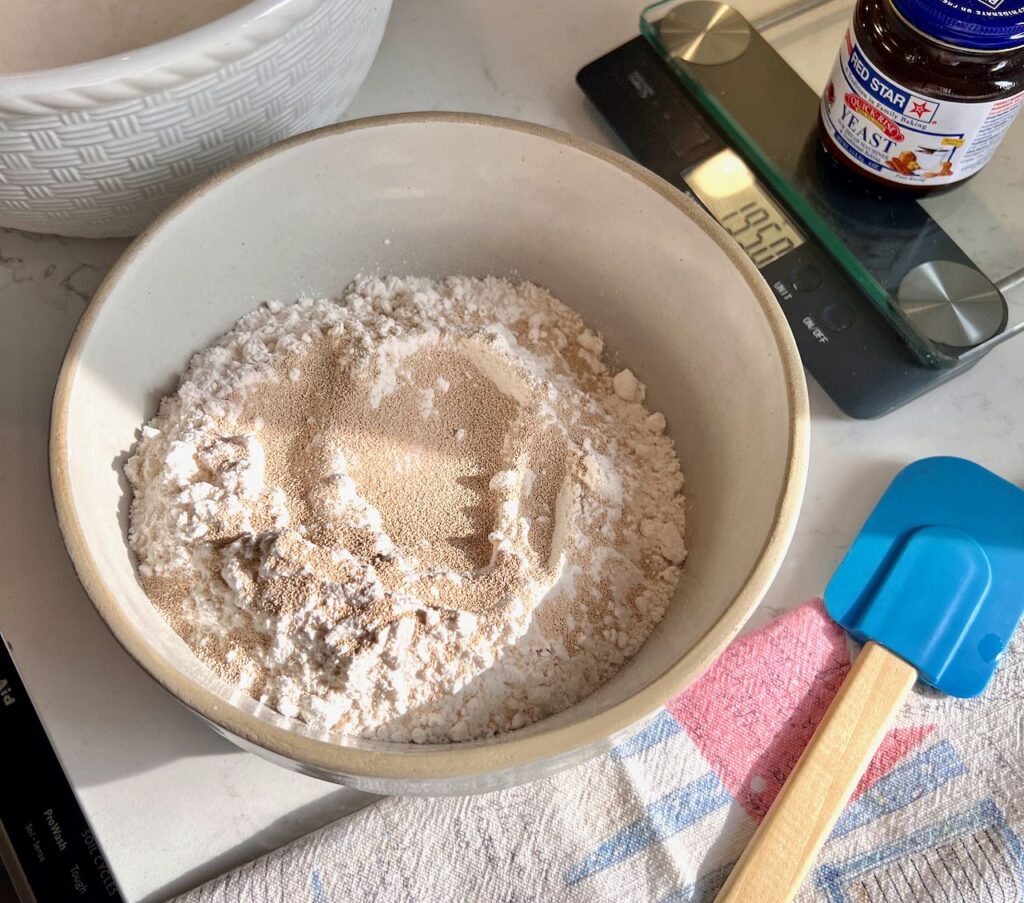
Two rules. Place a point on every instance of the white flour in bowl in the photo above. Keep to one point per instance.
(426, 511)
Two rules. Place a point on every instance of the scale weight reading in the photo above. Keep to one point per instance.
(883, 304)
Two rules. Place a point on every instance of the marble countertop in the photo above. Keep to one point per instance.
(172, 802)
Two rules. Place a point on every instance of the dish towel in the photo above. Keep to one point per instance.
(939, 815)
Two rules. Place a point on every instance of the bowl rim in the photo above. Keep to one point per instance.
(444, 762)
(153, 67)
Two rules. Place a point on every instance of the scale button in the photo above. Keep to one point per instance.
(704, 32)
(838, 317)
(805, 277)
(952, 304)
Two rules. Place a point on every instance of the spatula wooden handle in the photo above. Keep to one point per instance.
(786, 843)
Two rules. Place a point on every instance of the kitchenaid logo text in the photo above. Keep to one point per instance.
(6, 696)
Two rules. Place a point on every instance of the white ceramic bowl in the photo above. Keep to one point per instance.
(438, 194)
(100, 148)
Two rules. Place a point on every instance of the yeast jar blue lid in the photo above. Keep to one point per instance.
(989, 25)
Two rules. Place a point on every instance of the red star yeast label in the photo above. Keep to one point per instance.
(897, 135)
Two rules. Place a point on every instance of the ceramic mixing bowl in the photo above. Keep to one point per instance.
(101, 147)
(439, 194)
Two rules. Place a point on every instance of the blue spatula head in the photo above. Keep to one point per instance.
(936, 574)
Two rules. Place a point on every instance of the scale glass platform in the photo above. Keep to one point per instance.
(888, 297)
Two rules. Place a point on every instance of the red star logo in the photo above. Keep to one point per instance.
(919, 110)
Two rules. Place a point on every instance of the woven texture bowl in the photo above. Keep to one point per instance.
(100, 148)
(439, 194)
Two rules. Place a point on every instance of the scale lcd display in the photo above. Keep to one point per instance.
(727, 187)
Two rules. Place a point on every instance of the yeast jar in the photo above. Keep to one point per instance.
(923, 91)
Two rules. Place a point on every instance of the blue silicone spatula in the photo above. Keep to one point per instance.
(934, 588)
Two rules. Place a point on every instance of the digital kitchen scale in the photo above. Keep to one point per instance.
(883, 303)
